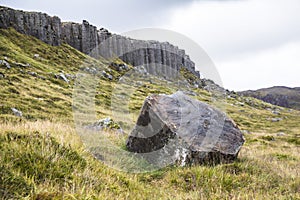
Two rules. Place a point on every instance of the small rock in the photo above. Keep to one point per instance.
(107, 75)
(106, 123)
(36, 55)
(62, 77)
(124, 67)
(32, 74)
(91, 70)
(240, 104)
(276, 112)
(280, 134)
(5, 63)
(17, 112)
(276, 119)
(119, 67)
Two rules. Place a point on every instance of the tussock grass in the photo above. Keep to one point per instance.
(47, 159)
(42, 156)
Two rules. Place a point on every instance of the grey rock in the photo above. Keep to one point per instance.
(105, 124)
(276, 119)
(107, 75)
(281, 134)
(90, 70)
(83, 37)
(32, 74)
(124, 67)
(240, 104)
(17, 112)
(39, 25)
(276, 112)
(189, 131)
(110, 77)
(119, 67)
(62, 77)
(5, 63)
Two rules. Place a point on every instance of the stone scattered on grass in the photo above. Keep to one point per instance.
(17, 112)
(5, 63)
(105, 124)
(61, 76)
(280, 134)
(276, 119)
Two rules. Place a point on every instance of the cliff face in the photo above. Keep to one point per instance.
(83, 37)
(87, 39)
(39, 25)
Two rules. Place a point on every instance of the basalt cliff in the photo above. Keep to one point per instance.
(90, 40)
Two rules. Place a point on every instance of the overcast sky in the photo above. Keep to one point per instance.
(253, 43)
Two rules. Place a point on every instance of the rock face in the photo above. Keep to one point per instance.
(85, 38)
(39, 25)
(189, 131)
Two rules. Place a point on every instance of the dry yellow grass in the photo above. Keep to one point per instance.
(265, 170)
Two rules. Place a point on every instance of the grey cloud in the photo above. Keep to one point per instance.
(114, 14)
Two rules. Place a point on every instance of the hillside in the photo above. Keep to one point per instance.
(278, 95)
(42, 156)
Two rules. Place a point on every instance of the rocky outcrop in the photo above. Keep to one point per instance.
(189, 131)
(39, 25)
(158, 58)
(83, 37)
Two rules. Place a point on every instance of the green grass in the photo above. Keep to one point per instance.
(43, 157)
(48, 160)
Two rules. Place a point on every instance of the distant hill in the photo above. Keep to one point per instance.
(278, 95)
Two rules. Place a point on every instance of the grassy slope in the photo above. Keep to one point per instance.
(42, 156)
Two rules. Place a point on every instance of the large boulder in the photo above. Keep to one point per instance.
(185, 131)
